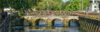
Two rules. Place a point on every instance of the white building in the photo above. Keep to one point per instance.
(94, 6)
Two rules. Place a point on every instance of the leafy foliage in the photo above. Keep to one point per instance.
(45, 4)
(17, 4)
(48, 4)
(59, 5)
(76, 5)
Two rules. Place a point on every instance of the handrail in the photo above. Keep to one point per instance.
(3, 21)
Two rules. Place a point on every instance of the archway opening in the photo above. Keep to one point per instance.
(73, 23)
(57, 23)
(40, 23)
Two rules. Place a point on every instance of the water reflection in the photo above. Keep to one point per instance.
(58, 26)
(73, 26)
(73, 23)
(57, 23)
(72, 29)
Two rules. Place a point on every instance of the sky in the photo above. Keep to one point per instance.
(65, 0)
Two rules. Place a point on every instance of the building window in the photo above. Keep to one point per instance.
(95, 6)
(91, 1)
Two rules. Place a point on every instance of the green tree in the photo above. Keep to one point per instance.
(59, 5)
(17, 4)
(76, 5)
(3, 4)
(49, 5)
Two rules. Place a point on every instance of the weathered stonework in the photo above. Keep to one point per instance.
(49, 16)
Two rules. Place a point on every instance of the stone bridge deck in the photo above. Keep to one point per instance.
(64, 13)
(67, 15)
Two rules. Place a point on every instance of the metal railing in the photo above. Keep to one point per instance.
(90, 25)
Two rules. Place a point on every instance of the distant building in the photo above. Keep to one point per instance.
(94, 6)
(9, 10)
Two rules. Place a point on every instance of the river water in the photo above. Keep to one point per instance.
(73, 27)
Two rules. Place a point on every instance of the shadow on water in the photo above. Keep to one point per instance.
(18, 23)
(74, 26)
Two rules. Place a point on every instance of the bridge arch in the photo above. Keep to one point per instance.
(73, 23)
(40, 23)
(57, 22)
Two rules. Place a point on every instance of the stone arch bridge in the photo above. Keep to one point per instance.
(90, 25)
(49, 16)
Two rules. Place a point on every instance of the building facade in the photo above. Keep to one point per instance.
(94, 6)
